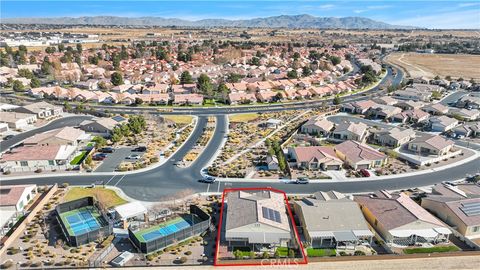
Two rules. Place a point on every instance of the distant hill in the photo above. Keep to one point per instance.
(283, 21)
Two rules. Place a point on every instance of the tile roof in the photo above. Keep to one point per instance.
(11, 194)
(358, 152)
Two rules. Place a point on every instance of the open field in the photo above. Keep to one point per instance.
(107, 196)
(430, 65)
(243, 118)
(179, 119)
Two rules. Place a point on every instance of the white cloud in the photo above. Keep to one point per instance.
(358, 11)
(469, 19)
(468, 4)
(327, 6)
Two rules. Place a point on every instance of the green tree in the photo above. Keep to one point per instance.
(186, 78)
(79, 47)
(306, 71)
(234, 77)
(26, 73)
(265, 255)
(292, 74)
(335, 60)
(61, 47)
(204, 84)
(255, 61)
(136, 124)
(35, 82)
(337, 100)
(116, 78)
(138, 101)
(99, 141)
(277, 254)
(18, 86)
(32, 59)
(67, 106)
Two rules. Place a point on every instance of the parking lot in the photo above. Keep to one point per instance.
(112, 161)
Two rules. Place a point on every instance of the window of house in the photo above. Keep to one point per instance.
(23, 163)
(51, 162)
(476, 229)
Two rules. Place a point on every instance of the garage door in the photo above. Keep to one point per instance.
(363, 166)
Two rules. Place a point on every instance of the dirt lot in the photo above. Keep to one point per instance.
(430, 65)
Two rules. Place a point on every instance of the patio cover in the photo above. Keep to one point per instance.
(362, 233)
(345, 236)
(408, 233)
(129, 210)
(321, 234)
(443, 230)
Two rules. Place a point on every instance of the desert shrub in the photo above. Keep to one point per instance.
(358, 253)
(6, 264)
(188, 253)
(183, 259)
(265, 255)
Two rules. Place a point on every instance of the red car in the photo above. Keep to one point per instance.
(364, 173)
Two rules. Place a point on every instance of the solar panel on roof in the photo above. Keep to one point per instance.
(471, 209)
(271, 214)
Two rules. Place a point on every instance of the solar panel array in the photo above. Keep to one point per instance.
(271, 214)
(471, 209)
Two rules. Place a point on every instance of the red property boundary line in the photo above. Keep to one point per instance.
(270, 261)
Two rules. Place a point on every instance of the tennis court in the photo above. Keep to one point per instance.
(165, 228)
(82, 220)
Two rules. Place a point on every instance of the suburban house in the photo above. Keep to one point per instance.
(4, 128)
(12, 204)
(386, 100)
(61, 136)
(314, 158)
(471, 101)
(28, 159)
(436, 109)
(16, 120)
(350, 131)
(272, 163)
(413, 116)
(458, 206)
(266, 96)
(410, 104)
(241, 98)
(42, 110)
(393, 137)
(412, 94)
(101, 127)
(257, 218)
(360, 156)
(332, 222)
(380, 111)
(400, 220)
(464, 114)
(188, 99)
(430, 145)
(442, 123)
(317, 126)
(467, 130)
(359, 107)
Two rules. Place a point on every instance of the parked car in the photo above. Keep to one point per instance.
(8, 137)
(208, 179)
(364, 173)
(135, 157)
(99, 156)
(140, 149)
(107, 150)
(302, 180)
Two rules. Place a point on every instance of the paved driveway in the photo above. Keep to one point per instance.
(114, 159)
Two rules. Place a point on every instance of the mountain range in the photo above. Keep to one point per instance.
(282, 21)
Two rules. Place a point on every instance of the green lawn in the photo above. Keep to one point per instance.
(78, 158)
(430, 250)
(320, 252)
(282, 251)
(107, 196)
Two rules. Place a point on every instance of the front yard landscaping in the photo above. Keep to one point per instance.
(107, 196)
(320, 252)
(243, 117)
(431, 250)
(78, 158)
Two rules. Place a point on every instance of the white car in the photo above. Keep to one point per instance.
(134, 157)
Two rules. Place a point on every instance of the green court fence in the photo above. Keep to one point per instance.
(105, 230)
(164, 241)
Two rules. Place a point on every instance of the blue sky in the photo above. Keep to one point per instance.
(431, 14)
